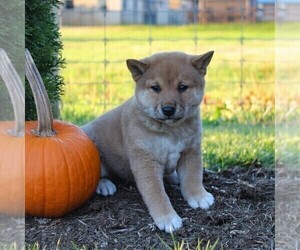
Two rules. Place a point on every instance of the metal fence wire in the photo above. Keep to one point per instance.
(186, 21)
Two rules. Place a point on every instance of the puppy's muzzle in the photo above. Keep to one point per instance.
(168, 110)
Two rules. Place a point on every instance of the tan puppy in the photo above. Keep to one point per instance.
(155, 132)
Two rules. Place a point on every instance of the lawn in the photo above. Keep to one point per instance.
(238, 109)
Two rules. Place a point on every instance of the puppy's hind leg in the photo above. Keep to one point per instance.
(105, 186)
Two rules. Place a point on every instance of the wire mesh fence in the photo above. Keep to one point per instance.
(100, 35)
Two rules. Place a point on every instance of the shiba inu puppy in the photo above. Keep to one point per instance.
(157, 132)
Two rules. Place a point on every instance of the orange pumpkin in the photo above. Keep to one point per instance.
(11, 171)
(62, 163)
(12, 144)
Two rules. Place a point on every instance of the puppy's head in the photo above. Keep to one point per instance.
(170, 86)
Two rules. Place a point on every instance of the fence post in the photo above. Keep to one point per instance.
(242, 50)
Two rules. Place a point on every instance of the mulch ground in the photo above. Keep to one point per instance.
(241, 218)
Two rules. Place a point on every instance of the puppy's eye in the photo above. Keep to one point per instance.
(156, 88)
(182, 88)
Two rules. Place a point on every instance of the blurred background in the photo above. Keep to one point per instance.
(238, 109)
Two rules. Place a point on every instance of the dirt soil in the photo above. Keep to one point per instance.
(241, 218)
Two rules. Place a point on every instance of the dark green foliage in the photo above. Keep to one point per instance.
(12, 41)
(42, 38)
(6, 110)
(12, 31)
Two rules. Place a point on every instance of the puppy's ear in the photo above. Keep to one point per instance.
(137, 68)
(201, 62)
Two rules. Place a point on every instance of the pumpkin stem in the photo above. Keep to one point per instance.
(42, 103)
(16, 92)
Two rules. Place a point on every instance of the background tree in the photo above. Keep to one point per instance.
(12, 41)
(42, 38)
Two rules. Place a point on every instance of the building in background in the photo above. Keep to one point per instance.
(280, 10)
(133, 11)
(161, 12)
(248, 10)
(288, 10)
(176, 12)
(265, 10)
(91, 12)
(226, 11)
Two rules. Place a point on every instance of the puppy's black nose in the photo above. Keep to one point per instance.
(168, 110)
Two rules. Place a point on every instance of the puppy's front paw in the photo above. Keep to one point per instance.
(169, 223)
(204, 201)
(106, 187)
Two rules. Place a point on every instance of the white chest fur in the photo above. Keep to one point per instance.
(167, 152)
(167, 149)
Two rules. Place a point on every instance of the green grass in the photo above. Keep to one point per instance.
(184, 245)
(228, 144)
(287, 145)
(12, 246)
(238, 106)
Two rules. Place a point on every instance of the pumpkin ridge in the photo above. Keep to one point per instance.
(34, 186)
(54, 171)
(44, 178)
(83, 183)
(6, 150)
(91, 161)
(26, 153)
(68, 169)
(86, 171)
